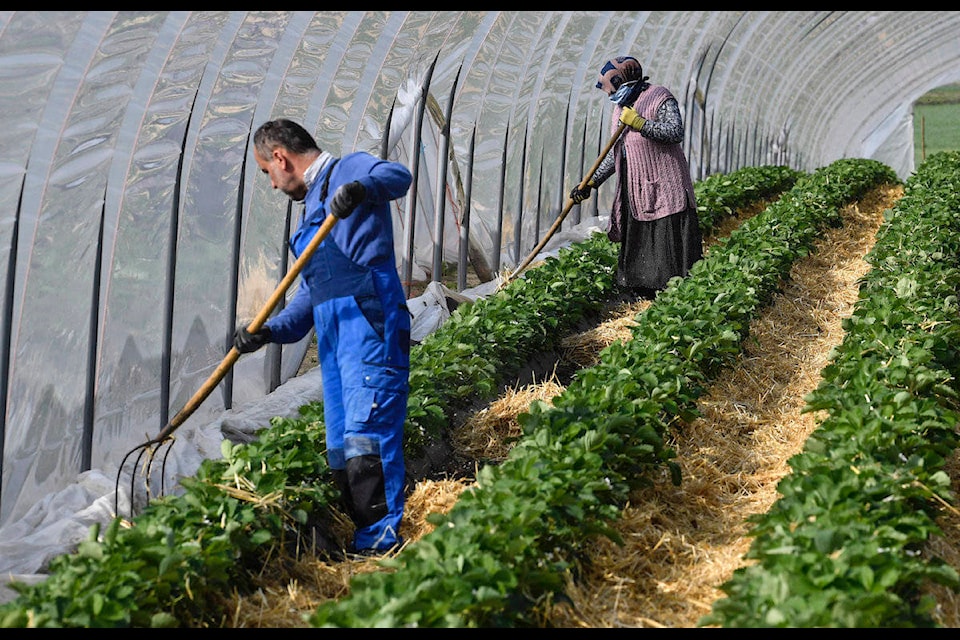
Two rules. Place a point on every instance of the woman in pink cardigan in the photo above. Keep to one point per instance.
(654, 214)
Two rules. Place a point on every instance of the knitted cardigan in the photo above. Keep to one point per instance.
(659, 177)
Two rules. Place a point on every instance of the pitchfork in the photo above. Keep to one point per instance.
(152, 446)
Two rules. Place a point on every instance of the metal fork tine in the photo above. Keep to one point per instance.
(163, 465)
(133, 476)
(149, 447)
(163, 468)
(116, 491)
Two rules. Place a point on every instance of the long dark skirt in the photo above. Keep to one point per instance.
(653, 252)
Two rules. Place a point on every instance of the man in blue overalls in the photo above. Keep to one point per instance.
(351, 292)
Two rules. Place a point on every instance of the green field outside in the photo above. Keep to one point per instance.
(936, 122)
(936, 128)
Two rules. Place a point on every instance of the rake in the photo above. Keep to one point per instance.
(566, 209)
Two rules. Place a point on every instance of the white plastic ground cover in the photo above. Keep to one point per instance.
(61, 520)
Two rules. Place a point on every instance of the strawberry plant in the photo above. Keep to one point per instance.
(723, 194)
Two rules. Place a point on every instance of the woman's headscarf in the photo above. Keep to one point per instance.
(620, 71)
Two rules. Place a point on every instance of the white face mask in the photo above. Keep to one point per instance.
(621, 96)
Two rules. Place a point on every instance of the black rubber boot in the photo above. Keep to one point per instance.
(367, 492)
(346, 497)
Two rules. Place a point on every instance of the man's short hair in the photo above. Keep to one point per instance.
(283, 133)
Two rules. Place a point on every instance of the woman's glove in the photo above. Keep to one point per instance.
(631, 118)
(578, 195)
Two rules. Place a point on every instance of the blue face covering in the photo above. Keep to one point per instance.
(627, 93)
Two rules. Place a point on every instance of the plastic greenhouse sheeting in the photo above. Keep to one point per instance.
(136, 231)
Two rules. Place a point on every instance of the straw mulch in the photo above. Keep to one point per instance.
(489, 434)
(291, 588)
(681, 543)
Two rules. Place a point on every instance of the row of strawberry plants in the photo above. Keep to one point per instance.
(487, 342)
(183, 551)
(844, 544)
(721, 195)
(504, 548)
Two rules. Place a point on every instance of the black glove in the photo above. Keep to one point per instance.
(346, 198)
(246, 342)
(578, 195)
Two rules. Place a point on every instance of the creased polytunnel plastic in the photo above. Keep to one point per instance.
(136, 231)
